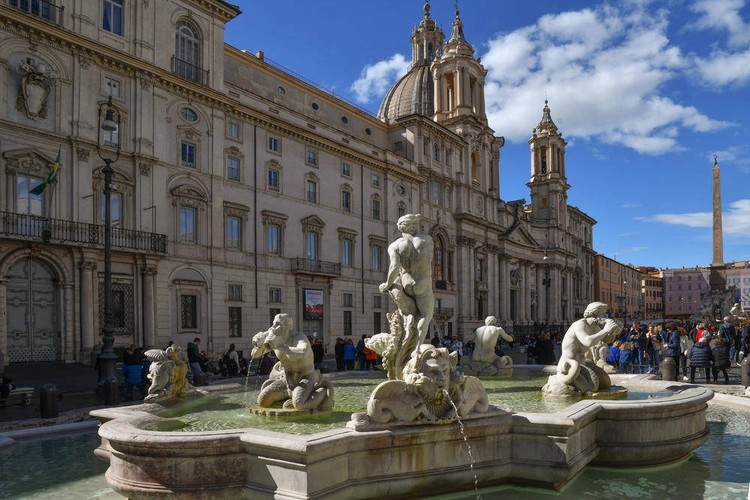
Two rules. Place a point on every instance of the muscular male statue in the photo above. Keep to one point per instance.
(294, 379)
(485, 338)
(409, 281)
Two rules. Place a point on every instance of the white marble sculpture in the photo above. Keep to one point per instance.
(294, 384)
(167, 373)
(432, 391)
(409, 284)
(577, 375)
(599, 354)
(483, 361)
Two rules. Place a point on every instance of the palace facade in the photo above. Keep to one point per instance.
(242, 190)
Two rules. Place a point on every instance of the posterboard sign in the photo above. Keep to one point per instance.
(313, 304)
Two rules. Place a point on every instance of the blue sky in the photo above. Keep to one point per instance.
(644, 92)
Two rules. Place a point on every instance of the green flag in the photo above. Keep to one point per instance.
(51, 179)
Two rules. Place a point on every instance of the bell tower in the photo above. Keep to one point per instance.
(426, 40)
(549, 186)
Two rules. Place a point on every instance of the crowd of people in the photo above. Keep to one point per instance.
(711, 348)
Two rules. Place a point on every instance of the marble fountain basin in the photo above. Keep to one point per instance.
(535, 449)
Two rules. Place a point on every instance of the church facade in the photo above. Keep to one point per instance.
(242, 190)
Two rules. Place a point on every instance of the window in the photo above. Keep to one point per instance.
(189, 311)
(189, 115)
(233, 168)
(233, 130)
(346, 169)
(234, 292)
(376, 319)
(426, 147)
(375, 180)
(401, 209)
(346, 201)
(448, 197)
(377, 301)
(436, 192)
(346, 252)
(377, 258)
(187, 158)
(479, 265)
(347, 299)
(273, 238)
(312, 245)
(425, 191)
(274, 144)
(281, 90)
(437, 264)
(344, 120)
(436, 152)
(312, 157)
(348, 323)
(449, 157)
(112, 87)
(115, 208)
(376, 209)
(235, 322)
(234, 233)
(112, 20)
(187, 225)
(187, 52)
(274, 295)
(273, 179)
(398, 147)
(26, 202)
(312, 191)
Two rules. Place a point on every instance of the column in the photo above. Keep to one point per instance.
(504, 309)
(459, 87)
(87, 311)
(437, 92)
(527, 292)
(522, 299)
(149, 304)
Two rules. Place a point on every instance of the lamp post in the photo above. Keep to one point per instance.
(546, 283)
(108, 358)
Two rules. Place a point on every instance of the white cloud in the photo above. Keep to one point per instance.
(723, 68)
(605, 70)
(376, 79)
(735, 219)
(723, 14)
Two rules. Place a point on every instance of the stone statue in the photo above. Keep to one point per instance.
(577, 375)
(294, 382)
(599, 354)
(167, 373)
(484, 362)
(409, 284)
(432, 391)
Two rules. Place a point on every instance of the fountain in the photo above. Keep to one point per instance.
(419, 425)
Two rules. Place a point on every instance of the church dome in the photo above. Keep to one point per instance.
(412, 94)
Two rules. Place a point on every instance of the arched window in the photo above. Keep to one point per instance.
(188, 52)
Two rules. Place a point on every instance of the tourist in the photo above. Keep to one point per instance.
(318, 352)
(626, 357)
(230, 362)
(686, 344)
(435, 341)
(194, 358)
(674, 346)
(653, 349)
(350, 354)
(546, 349)
(371, 359)
(244, 366)
(339, 353)
(700, 357)
(5, 388)
(409, 281)
(744, 342)
(721, 359)
(457, 346)
(614, 355)
(728, 334)
(640, 346)
(361, 358)
(132, 370)
(265, 365)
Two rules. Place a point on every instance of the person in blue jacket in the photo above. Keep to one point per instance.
(701, 357)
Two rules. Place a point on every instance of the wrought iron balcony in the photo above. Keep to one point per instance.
(34, 227)
(189, 71)
(443, 312)
(308, 266)
(40, 8)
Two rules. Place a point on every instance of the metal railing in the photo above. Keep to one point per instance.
(443, 312)
(40, 8)
(189, 71)
(316, 267)
(66, 231)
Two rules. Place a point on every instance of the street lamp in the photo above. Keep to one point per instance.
(546, 283)
(108, 358)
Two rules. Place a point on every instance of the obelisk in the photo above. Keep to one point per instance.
(718, 276)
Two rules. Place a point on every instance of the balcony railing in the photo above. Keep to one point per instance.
(308, 266)
(189, 71)
(443, 312)
(34, 227)
(40, 8)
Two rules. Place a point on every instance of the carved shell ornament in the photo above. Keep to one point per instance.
(35, 88)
